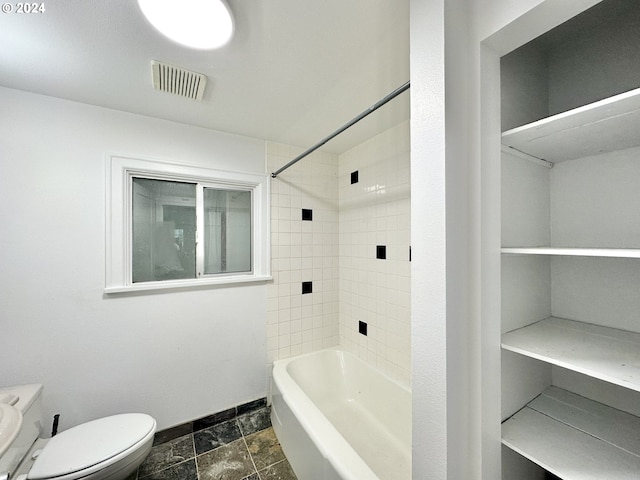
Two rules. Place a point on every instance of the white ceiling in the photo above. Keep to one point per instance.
(295, 70)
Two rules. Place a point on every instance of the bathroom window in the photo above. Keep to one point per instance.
(174, 226)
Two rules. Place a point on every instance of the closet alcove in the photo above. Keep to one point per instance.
(570, 234)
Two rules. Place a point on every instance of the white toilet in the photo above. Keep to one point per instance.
(109, 448)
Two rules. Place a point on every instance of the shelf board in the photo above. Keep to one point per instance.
(578, 252)
(603, 126)
(576, 438)
(605, 353)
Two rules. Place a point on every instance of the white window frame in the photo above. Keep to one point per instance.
(119, 240)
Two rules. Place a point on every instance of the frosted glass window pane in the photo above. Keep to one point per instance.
(164, 230)
(227, 235)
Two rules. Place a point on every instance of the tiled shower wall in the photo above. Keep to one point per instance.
(351, 225)
(374, 218)
(304, 253)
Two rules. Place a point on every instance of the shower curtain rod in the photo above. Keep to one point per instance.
(347, 125)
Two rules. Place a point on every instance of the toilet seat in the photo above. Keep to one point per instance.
(92, 446)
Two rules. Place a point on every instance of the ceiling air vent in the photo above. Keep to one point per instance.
(176, 80)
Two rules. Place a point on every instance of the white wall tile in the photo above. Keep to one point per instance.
(375, 211)
(337, 252)
(312, 183)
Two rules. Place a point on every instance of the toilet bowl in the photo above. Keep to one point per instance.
(109, 448)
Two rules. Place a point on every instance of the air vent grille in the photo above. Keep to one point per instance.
(176, 80)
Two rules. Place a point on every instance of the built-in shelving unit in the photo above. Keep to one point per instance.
(576, 438)
(567, 289)
(604, 126)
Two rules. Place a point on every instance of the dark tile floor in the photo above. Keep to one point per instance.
(242, 448)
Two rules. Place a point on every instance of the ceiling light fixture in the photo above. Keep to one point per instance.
(199, 24)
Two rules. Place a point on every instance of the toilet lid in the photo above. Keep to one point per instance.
(90, 443)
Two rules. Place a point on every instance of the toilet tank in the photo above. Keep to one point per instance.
(29, 402)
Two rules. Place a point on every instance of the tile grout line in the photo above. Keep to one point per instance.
(249, 452)
(195, 454)
(138, 477)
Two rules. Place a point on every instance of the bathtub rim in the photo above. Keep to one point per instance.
(327, 439)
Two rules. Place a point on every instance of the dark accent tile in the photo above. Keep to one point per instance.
(279, 471)
(251, 406)
(214, 419)
(381, 252)
(167, 454)
(172, 433)
(354, 177)
(307, 214)
(230, 462)
(307, 287)
(182, 471)
(255, 421)
(264, 448)
(216, 436)
(362, 328)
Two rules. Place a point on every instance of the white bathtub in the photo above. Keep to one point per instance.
(337, 418)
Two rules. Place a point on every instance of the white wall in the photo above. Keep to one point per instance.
(589, 67)
(428, 242)
(524, 86)
(176, 355)
(490, 16)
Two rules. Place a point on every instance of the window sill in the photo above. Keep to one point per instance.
(186, 284)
